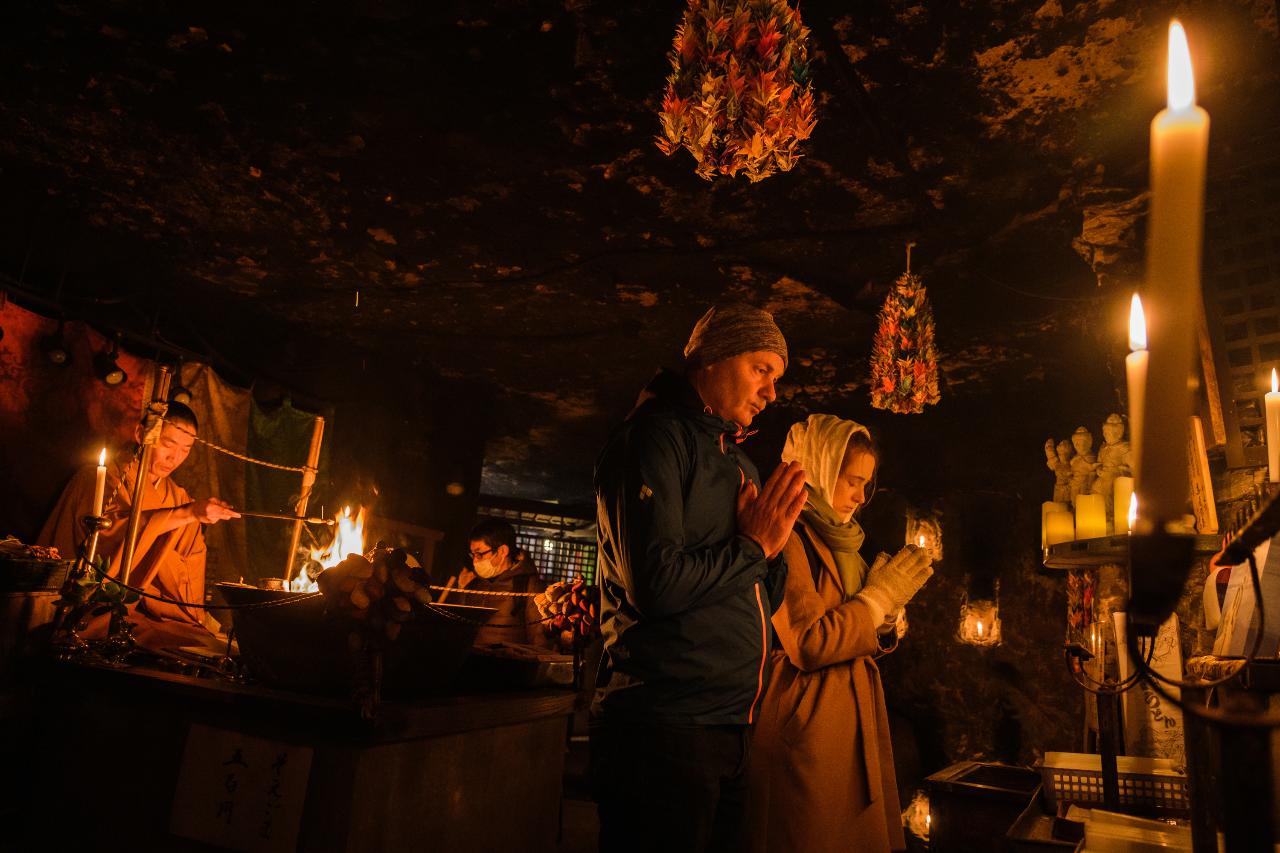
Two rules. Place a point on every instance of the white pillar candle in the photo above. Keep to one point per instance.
(1135, 371)
(1046, 508)
(100, 484)
(1273, 429)
(1091, 517)
(1059, 527)
(1121, 493)
(1179, 145)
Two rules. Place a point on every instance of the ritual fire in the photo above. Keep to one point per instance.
(348, 539)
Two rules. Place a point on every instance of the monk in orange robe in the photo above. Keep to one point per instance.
(169, 559)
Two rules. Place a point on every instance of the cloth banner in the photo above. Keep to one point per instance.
(281, 435)
(223, 411)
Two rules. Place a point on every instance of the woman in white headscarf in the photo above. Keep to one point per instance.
(822, 774)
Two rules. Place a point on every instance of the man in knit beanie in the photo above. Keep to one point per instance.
(690, 571)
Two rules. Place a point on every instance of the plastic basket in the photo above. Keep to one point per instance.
(1147, 785)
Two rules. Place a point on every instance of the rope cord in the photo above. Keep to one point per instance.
(485, 592)
(304, 469)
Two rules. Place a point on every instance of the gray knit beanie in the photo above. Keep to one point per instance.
(732, 329)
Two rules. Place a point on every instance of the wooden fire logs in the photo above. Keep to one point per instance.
(378, 589)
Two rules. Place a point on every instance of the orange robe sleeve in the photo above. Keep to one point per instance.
(171, 563)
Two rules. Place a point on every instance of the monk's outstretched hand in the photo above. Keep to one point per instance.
(211, 510)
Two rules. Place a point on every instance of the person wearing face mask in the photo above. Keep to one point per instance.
(498, 565)
(169, 559)
(822, 774)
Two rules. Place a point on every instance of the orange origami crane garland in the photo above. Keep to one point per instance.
(904, 359)
(739, 97)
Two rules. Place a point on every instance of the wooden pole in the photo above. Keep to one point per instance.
(308, 481)
(158, 407)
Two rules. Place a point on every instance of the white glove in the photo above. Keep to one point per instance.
(893, 581)
(894, 623)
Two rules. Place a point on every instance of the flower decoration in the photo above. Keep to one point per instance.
(739, 97)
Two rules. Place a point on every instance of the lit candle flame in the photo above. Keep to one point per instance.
(1137, 325)
(928, 820)
(920, 541)
(1133, 510)
(1275, 387)
(102, 457)
(979, 627)
(1182, 83)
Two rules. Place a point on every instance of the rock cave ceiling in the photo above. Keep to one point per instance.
(483, 174)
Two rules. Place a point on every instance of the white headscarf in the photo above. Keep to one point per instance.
(818, 444)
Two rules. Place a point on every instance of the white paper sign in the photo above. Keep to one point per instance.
(240, 792)
(1152, 724)
(1239, 626)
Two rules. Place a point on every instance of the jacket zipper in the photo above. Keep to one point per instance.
(764, 625)
(764, 654)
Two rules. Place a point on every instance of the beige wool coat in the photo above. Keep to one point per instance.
(822, 776)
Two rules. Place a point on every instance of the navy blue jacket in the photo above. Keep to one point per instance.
(685, 599)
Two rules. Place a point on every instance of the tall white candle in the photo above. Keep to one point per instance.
(1121, 495)
(1272, 400)
(100, 484)
(1179, 145)
(1135, 371)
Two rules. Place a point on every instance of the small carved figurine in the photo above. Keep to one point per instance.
(1058, 460)
(1113, 460)
(1084, 465)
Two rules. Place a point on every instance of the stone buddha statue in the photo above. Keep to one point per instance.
(1084, 465)
(1058, 460)
(1113, 460)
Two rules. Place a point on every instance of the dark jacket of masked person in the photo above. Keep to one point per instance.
(517, 619)
(685, 599)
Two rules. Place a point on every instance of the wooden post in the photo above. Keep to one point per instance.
(308, 481)
(158, 405)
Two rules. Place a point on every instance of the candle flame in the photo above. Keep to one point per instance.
(1137, 325)
(979, 627)
(928, 820)
(1133, 510)
(1275, 388)
(102, 457)
(1182, 83)
(920, 542)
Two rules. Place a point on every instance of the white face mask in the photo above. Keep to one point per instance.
(487, 566)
